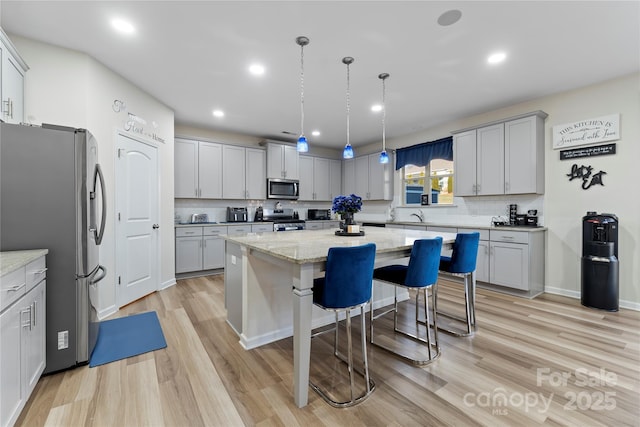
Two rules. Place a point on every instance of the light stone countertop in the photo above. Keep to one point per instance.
(462, 225)
(305, 246)
(12, 260)
(221, 224)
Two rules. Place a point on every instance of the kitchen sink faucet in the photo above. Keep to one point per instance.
(420, 215)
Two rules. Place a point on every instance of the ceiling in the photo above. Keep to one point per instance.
(193, 56)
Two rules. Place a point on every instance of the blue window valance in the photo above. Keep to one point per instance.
(422, 154)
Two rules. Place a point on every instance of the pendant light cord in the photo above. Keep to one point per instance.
(384, 115)
(348, 104)
(301, 89)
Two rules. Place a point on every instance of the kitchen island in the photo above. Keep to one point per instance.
(263, 269)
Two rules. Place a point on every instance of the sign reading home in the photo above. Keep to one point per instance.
(584, 132)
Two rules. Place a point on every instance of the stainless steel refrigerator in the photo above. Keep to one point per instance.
(52, 196)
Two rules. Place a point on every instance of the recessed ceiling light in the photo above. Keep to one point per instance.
(256, 69)
(315, 133)
(496, 58)
(123, 26)
(218, 113)
(450, 17)
(376, 108)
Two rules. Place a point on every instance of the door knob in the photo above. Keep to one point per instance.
(155, 226)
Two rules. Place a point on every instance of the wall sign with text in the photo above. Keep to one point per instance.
(599, 150)
(585, 132)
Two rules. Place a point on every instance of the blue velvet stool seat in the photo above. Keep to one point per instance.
(347, 285)
(462, 263)
(420, 274)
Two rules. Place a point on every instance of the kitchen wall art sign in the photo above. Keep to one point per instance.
(585, 173)
(600, 150)
(135, 123)
(586, 132)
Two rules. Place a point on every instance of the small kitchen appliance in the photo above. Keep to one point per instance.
(236, 214)
(600, 266)
(288, 189)
(318, 214)
(259, 216)
(513, 212)
(199, 218)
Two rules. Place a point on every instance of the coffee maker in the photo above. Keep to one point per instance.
(600, 266)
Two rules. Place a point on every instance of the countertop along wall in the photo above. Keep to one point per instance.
(70, 88)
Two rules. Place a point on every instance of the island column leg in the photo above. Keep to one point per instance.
(302, 306)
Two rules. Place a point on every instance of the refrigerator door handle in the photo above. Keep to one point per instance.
(98, 173)
(99, 278)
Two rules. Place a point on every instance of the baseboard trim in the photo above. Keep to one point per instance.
(630, 305)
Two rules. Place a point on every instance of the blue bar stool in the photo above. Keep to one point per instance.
(462, 263)
(420, 274)
(347, 285)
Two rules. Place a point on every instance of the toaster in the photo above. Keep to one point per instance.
(236, 214)
(199, 218)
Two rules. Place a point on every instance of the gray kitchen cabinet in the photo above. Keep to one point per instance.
(282, 161)
(314, 178)
(331, 224)
(241, 228)
(22, 338)
(335, 178)
(199, 248)
(197, 169)
(188, 249)
(516, 260)
(373, 180)
(243, 173)
(12, 72)
(504, 157)
(349, 176)
(213, 247)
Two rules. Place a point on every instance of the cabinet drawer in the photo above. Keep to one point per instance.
(188, 231)
(214, 231)
(12, 287)
(442, 229)
(262, 228)
(36, 271)
(484, 233)
(509, 236)
(238, 229)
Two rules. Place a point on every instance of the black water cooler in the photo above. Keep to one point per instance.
(600, 282)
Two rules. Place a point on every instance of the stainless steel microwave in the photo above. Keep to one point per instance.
(283, 188)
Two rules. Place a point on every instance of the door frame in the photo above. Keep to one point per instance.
(118, 205)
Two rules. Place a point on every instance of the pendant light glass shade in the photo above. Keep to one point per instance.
(384, 157)
(303, 145)
(347, 153)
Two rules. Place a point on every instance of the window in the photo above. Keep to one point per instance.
(439, 186)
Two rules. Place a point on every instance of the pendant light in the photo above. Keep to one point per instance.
(384, 157)
(302, 145)
(348, 150)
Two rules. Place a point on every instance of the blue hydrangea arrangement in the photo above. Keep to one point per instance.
(347, 204)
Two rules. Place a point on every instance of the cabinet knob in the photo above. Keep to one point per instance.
(155, 226)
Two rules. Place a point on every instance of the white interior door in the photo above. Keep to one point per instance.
(137, 218)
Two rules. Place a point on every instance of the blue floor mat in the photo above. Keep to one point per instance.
(126, 337)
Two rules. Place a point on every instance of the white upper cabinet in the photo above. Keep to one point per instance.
(501, 158)
(314, 178)
(208, 170)
(256, 173)
(335, 178)
(282, 161)
(349, 176)
(524, 155)
(13, 69)
(373, 180)
(233, 172)
(490, 160)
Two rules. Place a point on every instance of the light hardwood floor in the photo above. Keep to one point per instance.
(546, 361)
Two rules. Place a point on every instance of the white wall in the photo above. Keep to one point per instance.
(70, 88)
